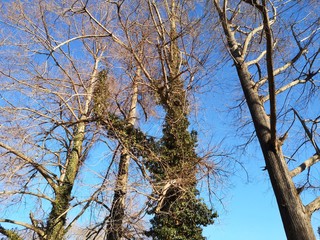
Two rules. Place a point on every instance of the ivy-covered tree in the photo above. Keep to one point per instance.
(58, 106)
(179, 213)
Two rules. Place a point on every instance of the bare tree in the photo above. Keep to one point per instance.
(255, 34)
(46, 112)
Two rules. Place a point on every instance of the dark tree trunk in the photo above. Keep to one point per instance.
(295, 218)
(117, 214)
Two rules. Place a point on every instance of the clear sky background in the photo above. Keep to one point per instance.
(251, 213)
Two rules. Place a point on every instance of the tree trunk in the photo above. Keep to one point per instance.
(294, 216)
(114, 227)
(55, 226)
(115, 221)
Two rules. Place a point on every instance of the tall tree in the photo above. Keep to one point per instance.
(179, 213)
(118, 207)
(158, 56)
(129, 19)
(46, 113)
(251, 43)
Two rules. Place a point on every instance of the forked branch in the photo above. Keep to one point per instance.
(307, 131)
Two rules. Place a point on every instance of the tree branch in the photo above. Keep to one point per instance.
(283, 68)
(28, 193)
(11, 234)
(306, 164)
(43, 171)
(306, 129)
(248, 39)
(109, 33)
(23, 224)
(313, 206)
(257, 59)
(269, 58)
(284, 88)
(79, 37)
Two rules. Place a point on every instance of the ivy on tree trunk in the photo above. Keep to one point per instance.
(178, 212)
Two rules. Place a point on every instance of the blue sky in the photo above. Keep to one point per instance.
(251, 213)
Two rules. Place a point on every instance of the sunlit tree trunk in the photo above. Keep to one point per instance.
(295, 218)
(57, 218)
(117, 214)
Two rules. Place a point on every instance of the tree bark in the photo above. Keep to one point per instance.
(10, 234)
(117, 214)
(295, 218)
(55, 226)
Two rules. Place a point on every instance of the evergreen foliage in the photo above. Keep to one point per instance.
(100, 94)
(179, 214)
